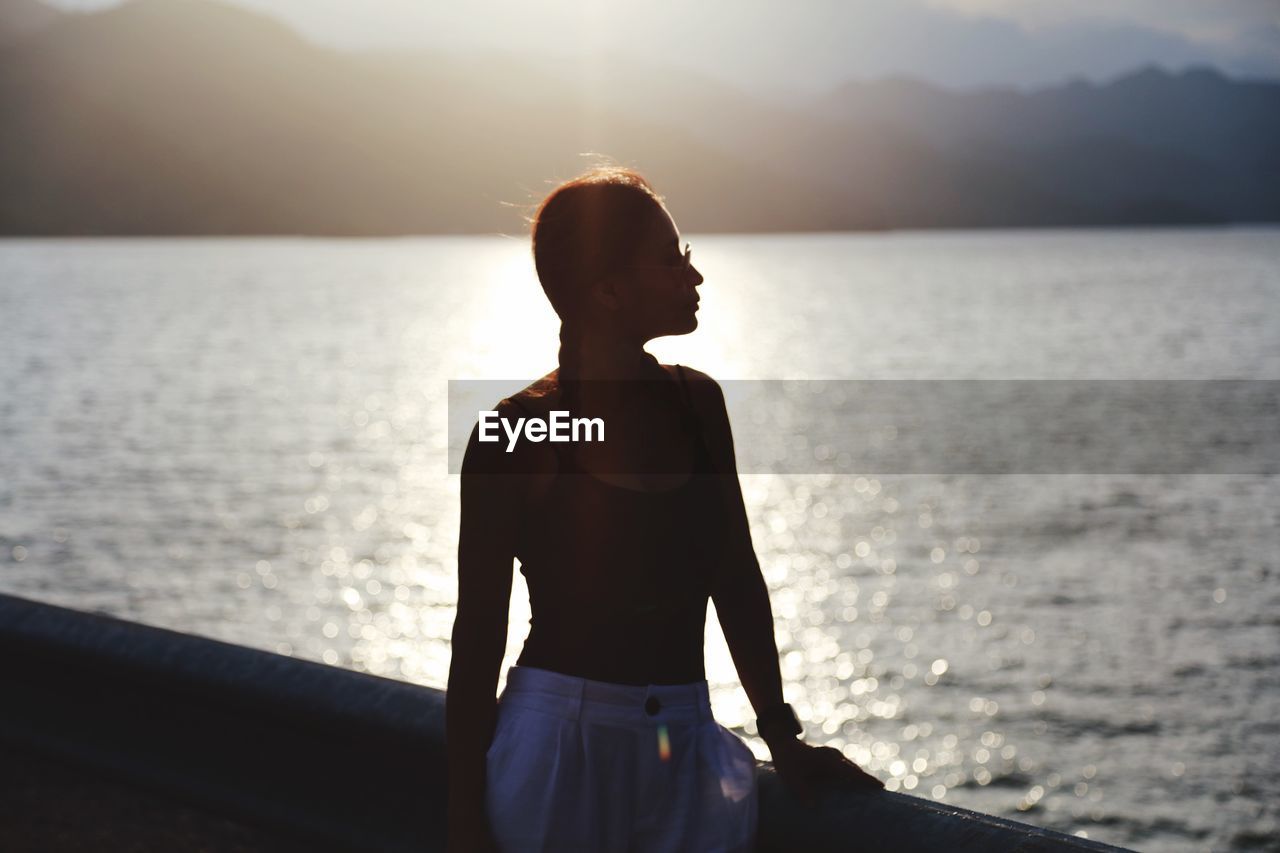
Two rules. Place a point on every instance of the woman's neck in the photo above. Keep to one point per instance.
(611, 358)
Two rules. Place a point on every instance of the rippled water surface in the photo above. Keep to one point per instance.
(246, 439)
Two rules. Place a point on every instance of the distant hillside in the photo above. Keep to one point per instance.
(1150, 146)
(21, 18)
(193, 117)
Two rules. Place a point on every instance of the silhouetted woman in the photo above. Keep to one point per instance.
(603, 738)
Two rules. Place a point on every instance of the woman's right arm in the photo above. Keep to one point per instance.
(491, 496)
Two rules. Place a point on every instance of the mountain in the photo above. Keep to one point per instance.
(21, 18)
(196, 117)
(1148, 144)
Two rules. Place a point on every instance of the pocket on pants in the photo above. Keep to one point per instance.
(739, 768)
(725, 816)
(742, 789)
(530, 779)
(499, 729)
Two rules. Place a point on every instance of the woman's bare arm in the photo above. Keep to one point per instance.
(740, 594)
(742, 605)
(492, 500)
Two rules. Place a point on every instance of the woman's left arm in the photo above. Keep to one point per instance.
(742, 605)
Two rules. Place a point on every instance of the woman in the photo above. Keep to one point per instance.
(603, 737)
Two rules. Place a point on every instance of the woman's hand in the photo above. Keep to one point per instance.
(805, 769)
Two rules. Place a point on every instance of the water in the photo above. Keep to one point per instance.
(246, 439)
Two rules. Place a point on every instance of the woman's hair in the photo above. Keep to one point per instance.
(585, 229)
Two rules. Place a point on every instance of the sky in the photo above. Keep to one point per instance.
(813, 45)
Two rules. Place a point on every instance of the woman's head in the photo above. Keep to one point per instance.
(609, 258)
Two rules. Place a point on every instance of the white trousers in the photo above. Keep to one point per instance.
(582, 765)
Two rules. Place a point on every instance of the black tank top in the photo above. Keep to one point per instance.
(619, 578)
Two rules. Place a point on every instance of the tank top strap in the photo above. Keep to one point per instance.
(703, 462)
(684, 385)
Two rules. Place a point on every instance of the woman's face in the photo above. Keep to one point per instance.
(657, 293)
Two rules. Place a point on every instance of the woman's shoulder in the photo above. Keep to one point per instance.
(537, 398)
(701, 385)
(707, 399)
(494, 454)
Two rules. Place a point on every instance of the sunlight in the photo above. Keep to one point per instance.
(514, 333)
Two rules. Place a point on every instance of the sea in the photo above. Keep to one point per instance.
(247, 439)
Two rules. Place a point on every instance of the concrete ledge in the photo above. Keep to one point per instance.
(895, 823)
(339, 760)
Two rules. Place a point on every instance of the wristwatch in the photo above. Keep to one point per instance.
(778, 721)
